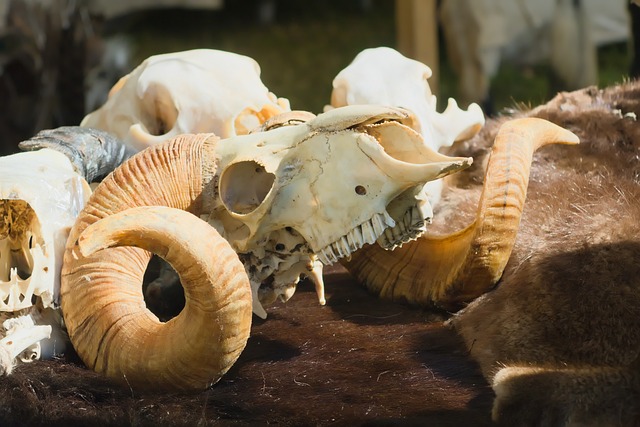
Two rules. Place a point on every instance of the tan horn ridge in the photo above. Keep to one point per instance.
(101, 293)
(194, 349)
(450, 270)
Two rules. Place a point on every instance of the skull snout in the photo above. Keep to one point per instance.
(20, 245)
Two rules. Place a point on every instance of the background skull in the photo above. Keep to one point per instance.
(194, 91)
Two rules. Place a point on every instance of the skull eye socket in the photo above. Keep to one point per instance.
(244, 186)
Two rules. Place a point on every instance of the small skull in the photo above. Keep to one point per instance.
(41, 194)
(40, 197)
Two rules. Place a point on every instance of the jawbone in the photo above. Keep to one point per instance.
(275, 269)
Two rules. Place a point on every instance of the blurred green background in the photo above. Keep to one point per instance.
(309, 42)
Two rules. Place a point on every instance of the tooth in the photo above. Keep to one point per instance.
(385, 240)
(388, 221)
(425, 210)
(416, 218)
(337, 249)
(287, 294)
(368, 234)
(345, 246)
(355, 238)
(400, 228)
(258, 309)
(333, 247)
(378, 225)
(323, 258)
(388, 235)
(329, 255)
(316, 277)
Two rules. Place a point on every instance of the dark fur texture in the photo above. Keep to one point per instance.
(356, 361)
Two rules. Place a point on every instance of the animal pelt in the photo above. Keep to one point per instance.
(559, 337)
(355, 361)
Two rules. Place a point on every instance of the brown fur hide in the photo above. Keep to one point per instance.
(356, 361)
(566, 314)
(565, 317)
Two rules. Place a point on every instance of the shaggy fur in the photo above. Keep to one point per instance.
(558, 338)
(564, 321)
(356, 361)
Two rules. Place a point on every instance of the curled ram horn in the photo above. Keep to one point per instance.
(180, 353)
(101, 293)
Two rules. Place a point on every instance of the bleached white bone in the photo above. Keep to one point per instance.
(298, 196)
(41, 195)
(194, 91)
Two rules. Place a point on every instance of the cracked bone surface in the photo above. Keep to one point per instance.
(384, 76)
(284, 209)
(285, 200)
(40, 196)
(193, 91)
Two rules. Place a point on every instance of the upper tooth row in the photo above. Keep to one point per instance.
(412, 226)
(367, 232)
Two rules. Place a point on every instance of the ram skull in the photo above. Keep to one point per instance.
(40, 196)
(281, 201)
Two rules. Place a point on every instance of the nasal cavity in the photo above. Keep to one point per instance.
(159, 113)
(244, 186)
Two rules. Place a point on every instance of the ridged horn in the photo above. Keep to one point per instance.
(450, 270)
(93, 152)
(101, 293)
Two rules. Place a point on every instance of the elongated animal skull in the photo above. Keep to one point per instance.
(41, 195)
(194, 91)
(278, 203)
(284, 200)
(384, 76)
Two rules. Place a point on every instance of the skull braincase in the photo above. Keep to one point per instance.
(40, 198)
(194, 91)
